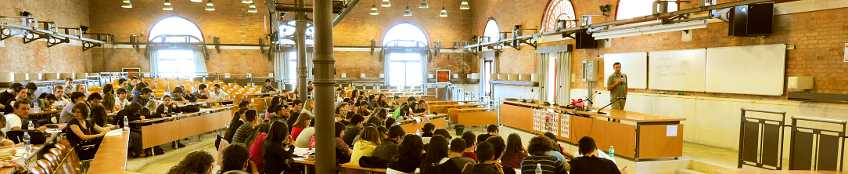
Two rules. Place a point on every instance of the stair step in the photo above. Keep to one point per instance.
(687, 171)
(706, 167)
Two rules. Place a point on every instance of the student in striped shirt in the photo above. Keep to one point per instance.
(538, 148)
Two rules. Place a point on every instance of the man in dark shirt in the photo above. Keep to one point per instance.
(490, 130)
(589, 163)
(247, 128)
(353, 130)
(470, 145)
(488, 164)
(201, 95)
(9, 95)
(268, 88)
(389, 146)
(143, 97)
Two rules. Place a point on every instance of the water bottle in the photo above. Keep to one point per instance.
(538, 168)
(612, 152)
(27, 145)
(31, 126)
(418, 132)
(126, 124)
(36, 108)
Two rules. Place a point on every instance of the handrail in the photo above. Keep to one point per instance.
(772, 111)
(827, 120)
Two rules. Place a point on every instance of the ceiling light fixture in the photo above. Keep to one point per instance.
(464, 5)
(407, 12)
(126, 4)
(444, 12)
(252, 8)
(168, 5)
(423, 4)
(247, 1)
(196, 0)
(386, 3)
(210, 6)
(374, 11)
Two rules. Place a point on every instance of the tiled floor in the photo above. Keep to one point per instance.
(716, 156)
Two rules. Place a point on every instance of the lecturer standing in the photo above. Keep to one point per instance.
(617, 86)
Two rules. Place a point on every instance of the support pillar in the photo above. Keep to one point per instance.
(324, 72)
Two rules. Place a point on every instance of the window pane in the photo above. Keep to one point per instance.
(405, 31)
(172, 63)
(398, 73)
(487, 71)
(636, 8)
(175, 26)
(492, 31)
(413, 74)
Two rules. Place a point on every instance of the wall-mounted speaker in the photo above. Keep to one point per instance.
(584, 40)
(751, 20)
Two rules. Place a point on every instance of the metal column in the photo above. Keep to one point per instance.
(301, 52)
(324, 72)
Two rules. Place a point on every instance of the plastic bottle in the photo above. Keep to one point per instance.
(36, 109)
(418, 132)
(612, 152)
(538, 168)
(126, 124)
(27, 145)
(30, 126)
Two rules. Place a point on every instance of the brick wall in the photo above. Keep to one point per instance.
(819, 38)
(16, 56)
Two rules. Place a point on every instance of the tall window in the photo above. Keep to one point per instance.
(558, 10)
(492, 31)
(288, 32)
(487, 73)
(405, 67)
(636, 8)
(552, 78)
(172, 62)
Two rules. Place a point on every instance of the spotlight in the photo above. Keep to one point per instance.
(84, 28)
(605, 9)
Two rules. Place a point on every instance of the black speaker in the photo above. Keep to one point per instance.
(584, 40)
(751, 20)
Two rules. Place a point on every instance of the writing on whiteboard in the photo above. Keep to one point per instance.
(667, 67)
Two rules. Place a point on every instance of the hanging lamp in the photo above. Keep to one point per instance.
(386, 3)
(168, 5)
(196, 0)
(126, 4)
(210, 6)
(444, 12)
(252, 8)
(247, 1)
(464, 5)
(423, 4)
(374, 11)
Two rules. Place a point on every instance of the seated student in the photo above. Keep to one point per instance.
(381, 102)
(279, 113)
(308, 108)
(8, 95)
(558, 151)
(341, 113)
(457, 147)
(302, 123)
(142, 97)
(514, 152)
(30, 90)
(305, 137)
(436, 161)
(389, 146)
(167, 108)
(444, 133)
(109, 98)
(408, 156)
(137, 89)
(538, 150)
(377, 118)
(274, 102)
(61, 100)
(369, 139)
(372, 102)
(390, 122)
(268, 88)
(410, 100)
(17, 119)
(121, 101)
(236, 157)
(403, 113)
(418, 110)
(468, 136)
(427, 130)
(488, 164)
(499, 145)
(201, 95)
(255, 143)
(20, 95)
(246, 129)
(67, 113)
(296, 107)
(94, 99)
(199, 162)
(217, 94)
(149, 110)
(132, 113)
(131, 85)
(343, 151)
(353, 129)
(235, 124)
(490, 130)
(277, 147)
(178, 96)
(363, 109)
(81, 133)
(45, 102)
(81, 88)
(589, 163)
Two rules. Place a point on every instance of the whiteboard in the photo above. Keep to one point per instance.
(634, 65)
(755, 69)
(677, 70)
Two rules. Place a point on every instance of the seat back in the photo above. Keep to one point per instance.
(53, 159)
(43, 163)
(37, 170)
(57, 152)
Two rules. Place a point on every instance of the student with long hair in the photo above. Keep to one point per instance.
(408, 156)
(255, 143)
(514, 152)
(109, 98)
(369, 139)
(274, 102)
(403, 113)
(437, 160)
(343, 150)
(498, 143)
(302, 123)
(197, 162)
(277, 148)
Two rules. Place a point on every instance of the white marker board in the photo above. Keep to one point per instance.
(634, 65)
(677, 70)
(757, 69)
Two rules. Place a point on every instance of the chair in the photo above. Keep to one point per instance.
(95, 89)
(43, 163)
(162, 84)
(37, 170)
(53, 159)
(173, 85)
(217, 81)
(260, 104)
(57, 152)
(158, 94)
(63, 149)
(232, 84)
(148, 80)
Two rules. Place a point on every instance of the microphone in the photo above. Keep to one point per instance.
(616, 100)
(533, 100)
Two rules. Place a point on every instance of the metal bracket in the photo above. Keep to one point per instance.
(39, 36)
(217, 41)
(88, 45)
(134, 41)
(261, 47)
(7, 32)
(717, 15)
(438, 47)
(53, 41)
(373, 46)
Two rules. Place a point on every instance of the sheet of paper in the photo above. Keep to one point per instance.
(115, 132)
(671, 131)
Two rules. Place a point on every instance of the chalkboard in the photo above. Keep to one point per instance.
(677, 70)
(757, 69)
(633, 65)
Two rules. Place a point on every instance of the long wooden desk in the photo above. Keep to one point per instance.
(444, 108)
(448, 102)
(474, 116)
(165, 130)
(646, 136)
(410, 126)
(112, 154)
(42, 114)
(779, 172)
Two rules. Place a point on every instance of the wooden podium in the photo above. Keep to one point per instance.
(637, 136)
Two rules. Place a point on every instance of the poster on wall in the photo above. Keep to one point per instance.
(442, 75)
(551, 122)
(565, 125)
(537, 114)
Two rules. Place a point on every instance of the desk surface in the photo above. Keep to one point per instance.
(779, 172)
(46, 112)
(614, 114)
(183, 115)
(434, 102)
(112, 154)
(426, 117)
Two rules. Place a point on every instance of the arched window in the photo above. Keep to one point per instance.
(558, 10)
(288, 32)
(636, 8)
(172, 61)
(405, 67)
(175, 25)
(492, 31)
